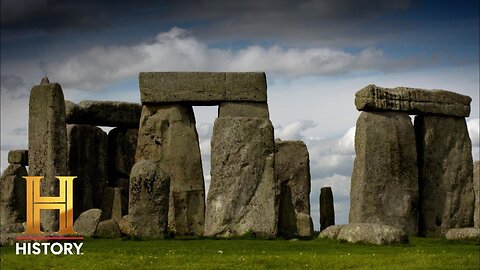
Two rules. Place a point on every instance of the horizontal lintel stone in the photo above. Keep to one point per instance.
(103, 113)
(202, 87)
(412, 100)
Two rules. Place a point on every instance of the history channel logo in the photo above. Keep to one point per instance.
(37, 242)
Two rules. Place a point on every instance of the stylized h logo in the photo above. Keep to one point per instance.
(64, 203)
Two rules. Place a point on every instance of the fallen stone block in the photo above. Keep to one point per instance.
(463, 234)
(331, 232)
(108, 229)
(86, 224)
(370, 233)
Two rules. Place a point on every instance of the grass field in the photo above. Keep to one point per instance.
(420, 253)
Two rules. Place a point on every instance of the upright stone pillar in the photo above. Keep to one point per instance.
(47, 142)
(168, 136)
(384, 187)
(327, 211)
(87, 159)
(122, 144)
(476, 183)
(13, 189)
(445, 174)
(292, 174)
(242, 195)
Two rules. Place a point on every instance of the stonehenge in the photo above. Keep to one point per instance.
(476, 184)
(418, 177)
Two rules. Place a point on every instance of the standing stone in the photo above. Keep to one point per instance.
(327, 212)
(18, 157)
(47, 143)
(476, 183)
(148, 200)
(168, 136)
(292, 174)
(445, 174)
(115, 203)
(242, 195)
(122, 144)
(13, 195)
(384, 186)
(87, 159)
(243, 109)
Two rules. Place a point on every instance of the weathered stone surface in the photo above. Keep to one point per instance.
(292, 175)
(47, 143)
(476, 183)
(12, 228)
(18, 157)
(108, 229)
(168, 135)
(87, 159)
(122, 144)
(13, 195)
(463, 233)
(242, 195)
(126, 227)
(243, 109)
(331, 232)
(202, 87)
(327, 211)
(148, 200)
(377, 234)
(412, 100)
(103, 113)
(86, 224)
(445, 174)
(384, 187)
(115, 203)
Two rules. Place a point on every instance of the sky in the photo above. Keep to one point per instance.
(316, 55)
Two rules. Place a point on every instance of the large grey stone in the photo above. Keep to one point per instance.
(242, 195)
(292, 174)
(168, 135)
(87, 160)
(463, 234)
(384, 186)
(13, 195)
(476, 183)
(108, 229)
(412, 100)
(331, 232)
(47, 143)
(86, 224)
(115, 203)
(122, 144)
(327, 211)
(202, 87)
(148, 200)
(103, 113)
(243, 109)
(445, 174)
(370, 233)
(18, 157)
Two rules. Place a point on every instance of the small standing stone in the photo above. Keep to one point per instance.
(148, 200)
(327, 212)
(18, 157)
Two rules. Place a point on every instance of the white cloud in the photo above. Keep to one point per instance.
(293, 130)
(177, 50)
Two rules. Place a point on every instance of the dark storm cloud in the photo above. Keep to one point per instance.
(230, 19)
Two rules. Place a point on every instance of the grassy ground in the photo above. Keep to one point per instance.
(420, 253)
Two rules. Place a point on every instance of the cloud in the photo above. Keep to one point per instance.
(21, 131)
(14, 86)
(294, 130)
(178, 50)
(474, 130)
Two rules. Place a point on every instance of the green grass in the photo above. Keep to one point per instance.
(420, 253)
